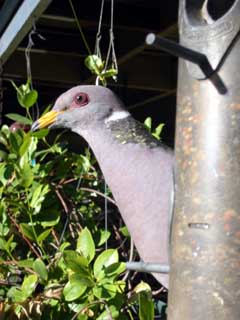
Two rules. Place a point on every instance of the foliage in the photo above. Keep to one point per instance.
(96, 65)
(52, 257)
(155, 132)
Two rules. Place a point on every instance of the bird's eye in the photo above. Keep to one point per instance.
(81, 99)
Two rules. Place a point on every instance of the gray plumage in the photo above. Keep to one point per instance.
(137, 168)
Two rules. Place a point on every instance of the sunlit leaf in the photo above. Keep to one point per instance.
(102, 236)
(73, 291)
(85, 244)
(94, 64)
(124, 231)
(29, 284)
(76, 263)
(18, 118)
(40, 268)
(109, 73)
(105, 259)
(110, 312)
(41, 133)
(44, 235)
(148, 123)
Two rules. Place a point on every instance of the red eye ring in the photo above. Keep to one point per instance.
(81, 99)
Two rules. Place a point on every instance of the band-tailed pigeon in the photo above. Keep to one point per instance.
(137, 168)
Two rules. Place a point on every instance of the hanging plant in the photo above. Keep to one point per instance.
(96, 66)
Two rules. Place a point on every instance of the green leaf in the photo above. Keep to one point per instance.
(76, 263)
(38, 195)
(146, 305)
(114, 314)
(73, 290)
(63, 246)
(29, 284)
(2, 244)
(16, 295)
(105, 259)
(27, 231)
(26, 177)
(107, 291)
(82, 317)
(81, 279)
(157, 132)
(3, 169)
(115, 269)
(27, 100)
(24, 147)
(44, 235)
(5, 130)
(27, 263)
(48, 218)
(3, 155)
(14, 142)
(40, 134)
(94, 64)
(124, 231)
(40, 268)
(85, 244)
(108, 73)
(148, 123)
(18, 118)
(102, 236)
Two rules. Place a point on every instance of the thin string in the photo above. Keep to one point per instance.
(28, 62)
(111, 47)
(97, 50)
(79, 27)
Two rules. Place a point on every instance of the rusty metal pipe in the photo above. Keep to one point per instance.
(205, 255)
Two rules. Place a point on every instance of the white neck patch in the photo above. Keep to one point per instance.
(117, 115)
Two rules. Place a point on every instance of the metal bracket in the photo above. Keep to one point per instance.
(148, 267)
(188, 54)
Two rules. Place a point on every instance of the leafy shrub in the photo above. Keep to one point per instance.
(53, 260)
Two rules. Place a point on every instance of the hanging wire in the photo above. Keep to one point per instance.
(79, 27)
(111, 47)
(97, 50)
(1, 90)
(28, 62)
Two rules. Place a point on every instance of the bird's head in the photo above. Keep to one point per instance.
(81, 107)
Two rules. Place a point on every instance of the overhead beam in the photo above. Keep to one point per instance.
(68, 69)
(7, 11)
(20, 25)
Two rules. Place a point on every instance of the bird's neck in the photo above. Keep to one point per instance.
(139, 174)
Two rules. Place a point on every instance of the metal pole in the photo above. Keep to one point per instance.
(205, 255)
(147, 267)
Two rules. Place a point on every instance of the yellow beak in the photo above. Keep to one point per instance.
(46, 120)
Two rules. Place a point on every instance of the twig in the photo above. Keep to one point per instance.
(63, 203)
(99, 193)
(55, 237)
(156, 292)
(24, 238)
